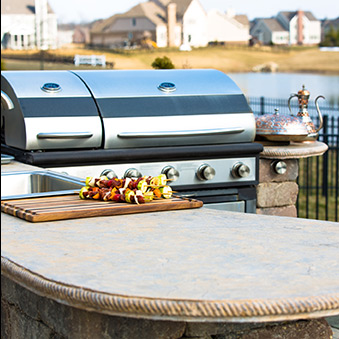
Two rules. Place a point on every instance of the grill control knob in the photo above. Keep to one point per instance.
(240, 170)
(132, 173)
(205, 172)
(171, 173)
(108, 173)
(279, 167)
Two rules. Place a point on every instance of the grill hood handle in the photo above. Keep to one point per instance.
(181, 133)
(65, 135)
(6, 101)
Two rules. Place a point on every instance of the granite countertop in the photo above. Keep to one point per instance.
(198, 264)
(194, 265)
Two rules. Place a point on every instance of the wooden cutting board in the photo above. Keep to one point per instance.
(71, 207)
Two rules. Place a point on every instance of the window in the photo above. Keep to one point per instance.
(134, 22)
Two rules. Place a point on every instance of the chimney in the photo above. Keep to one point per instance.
(171, 23)
(300, 27)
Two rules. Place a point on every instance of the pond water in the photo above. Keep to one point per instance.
(282, 85)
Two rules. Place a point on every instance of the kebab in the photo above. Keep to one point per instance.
(130, 190)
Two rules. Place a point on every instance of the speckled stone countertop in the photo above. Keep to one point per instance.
(194, 265)
(190, 264)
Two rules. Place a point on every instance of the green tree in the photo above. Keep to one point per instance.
(331, 38)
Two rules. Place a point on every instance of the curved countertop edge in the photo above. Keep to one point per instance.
(295, 150)
(260, 310)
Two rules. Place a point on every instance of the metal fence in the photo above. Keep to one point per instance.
(318, 177)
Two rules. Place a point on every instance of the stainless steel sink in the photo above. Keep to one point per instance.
(17, 185)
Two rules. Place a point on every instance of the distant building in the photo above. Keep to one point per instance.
(159, 23)
(73, 34)
(166, 23)
(270, 31)
(288, 28)
(81, 34)
(28, 24)
(303, 27)
(228, 27)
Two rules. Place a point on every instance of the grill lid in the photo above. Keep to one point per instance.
(52, 110)
(123, 109)
(170, 107)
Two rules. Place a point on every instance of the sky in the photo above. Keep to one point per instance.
(77, 11)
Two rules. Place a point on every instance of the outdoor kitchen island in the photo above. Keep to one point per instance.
(198, 273)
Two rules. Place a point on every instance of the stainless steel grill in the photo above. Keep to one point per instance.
(193, 125)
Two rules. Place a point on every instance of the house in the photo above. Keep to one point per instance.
(81, 34)
(158, 23)
(28, 24)
(303, 27)
(228, 27)
(69, 34)
(270, 31)
(146, 20)
(290, 28)
(193, 21)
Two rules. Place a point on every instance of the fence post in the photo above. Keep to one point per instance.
(262, 105)
(336, 135)
(325, 157)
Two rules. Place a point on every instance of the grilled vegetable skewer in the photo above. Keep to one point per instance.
(130, 190)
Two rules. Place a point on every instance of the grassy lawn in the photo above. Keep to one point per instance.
(227, 59)
(19, 65)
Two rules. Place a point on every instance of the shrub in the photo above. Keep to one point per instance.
(162, 63)
(3, 66)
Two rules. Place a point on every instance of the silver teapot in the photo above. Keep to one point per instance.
(289, 127)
